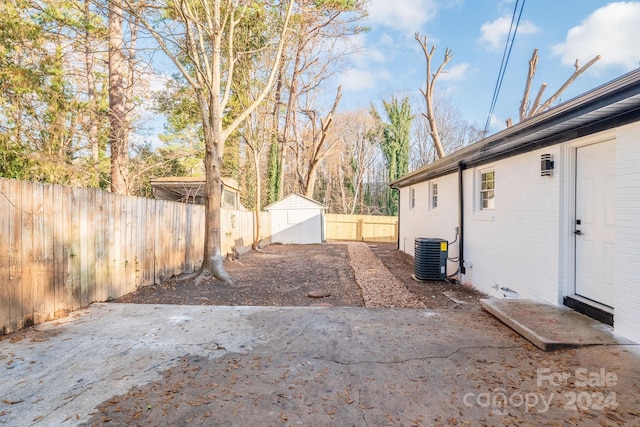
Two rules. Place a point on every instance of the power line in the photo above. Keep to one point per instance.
(506, 54)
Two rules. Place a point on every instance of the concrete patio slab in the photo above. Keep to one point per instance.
(550, 327)
(170, 365)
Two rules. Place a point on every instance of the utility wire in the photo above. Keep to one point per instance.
(506, 54)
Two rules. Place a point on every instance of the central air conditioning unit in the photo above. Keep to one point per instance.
(430, 259)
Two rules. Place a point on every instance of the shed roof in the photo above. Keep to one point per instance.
(613, 104)
(180, 188)
(284, 203)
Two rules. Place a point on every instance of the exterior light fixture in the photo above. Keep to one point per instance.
(546, 165)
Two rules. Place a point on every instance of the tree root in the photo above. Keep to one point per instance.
(201, 276)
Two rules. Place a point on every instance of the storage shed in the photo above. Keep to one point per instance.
(188, 189)
(297, 219)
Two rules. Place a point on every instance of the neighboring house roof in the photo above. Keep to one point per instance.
(186, 188)
(295, 201)
(613, 104)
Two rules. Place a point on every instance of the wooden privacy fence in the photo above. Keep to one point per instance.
(370, 228)
(238, 230)
(62, 248)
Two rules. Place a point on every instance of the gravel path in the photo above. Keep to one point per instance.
(379, 287)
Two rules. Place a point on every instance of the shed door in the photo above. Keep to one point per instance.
(594, 228)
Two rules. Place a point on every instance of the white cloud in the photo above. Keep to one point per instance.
(496, 124)
(355, 79)
(494, 33)
(611, 31)
(408, 15)
(457, 72)
(357, 49)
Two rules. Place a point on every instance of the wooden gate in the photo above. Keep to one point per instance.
(369, 228)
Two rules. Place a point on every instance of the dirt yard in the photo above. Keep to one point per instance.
(284, 275)
(316, 370)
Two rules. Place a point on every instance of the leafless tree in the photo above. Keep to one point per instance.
(312, 58)
(199, 36)
(526, 110)
(454, 130)
(429, 89)
(318, 146)
(359, 134)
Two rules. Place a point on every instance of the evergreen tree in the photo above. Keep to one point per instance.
(395, 145)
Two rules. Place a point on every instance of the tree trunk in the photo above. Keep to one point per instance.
(208, 35)
(258, 207)
(212, 263)
(288, 122)
(91, 88)
(311, 180)
(273, 167)
(117, 101)
(430, 89)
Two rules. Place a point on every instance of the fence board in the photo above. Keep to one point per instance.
(108, 202)
(84, 244)
(39, 267)
(188, 249)
(48, 237)
(138, 236)
(149, 235)
(75, 254)
(62, 248)
(64, 295)
(15, 267)
(371, 228)
(13, 297)
(101, 293)
(117, 253)
(161, 242)
(174, 242)
(5, 256)
(26, 255)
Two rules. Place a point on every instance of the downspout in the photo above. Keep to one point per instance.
(398, 190)
(461, 167)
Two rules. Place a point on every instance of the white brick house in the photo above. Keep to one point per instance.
(569, 235)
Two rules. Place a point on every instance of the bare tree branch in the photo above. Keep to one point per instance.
(429, 90)
(566, 84)
(533, 65)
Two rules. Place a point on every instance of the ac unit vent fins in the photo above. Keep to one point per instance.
(430, 259)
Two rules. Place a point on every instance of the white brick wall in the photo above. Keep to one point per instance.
(516, 244)
(421, 221)
(627, 209)
(526, 242)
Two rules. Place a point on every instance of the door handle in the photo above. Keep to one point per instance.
(578, 233)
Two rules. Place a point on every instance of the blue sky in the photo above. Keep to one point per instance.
(390, 61)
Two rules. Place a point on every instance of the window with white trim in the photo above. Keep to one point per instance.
(434, 196)
(487, 189)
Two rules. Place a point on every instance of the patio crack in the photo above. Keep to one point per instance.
(304, 330)
(411, 359)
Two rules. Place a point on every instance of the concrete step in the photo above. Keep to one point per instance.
(550, 327)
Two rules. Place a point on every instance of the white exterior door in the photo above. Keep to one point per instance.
(595, 226)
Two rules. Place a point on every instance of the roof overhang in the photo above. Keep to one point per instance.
(185, 188)
(611, 105)
(294, 194)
